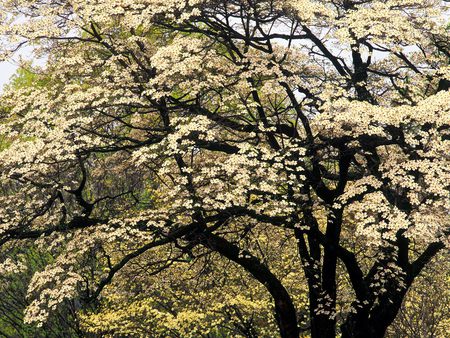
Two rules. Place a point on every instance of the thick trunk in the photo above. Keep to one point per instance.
(363, 327)
(323, 327)
(358, 326)
(321, 280)
(373, 323)
(324, 324)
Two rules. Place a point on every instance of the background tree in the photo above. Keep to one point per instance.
(426, 311)
(199, 296)
(194, 125)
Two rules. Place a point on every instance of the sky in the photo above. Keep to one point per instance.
(7, 69)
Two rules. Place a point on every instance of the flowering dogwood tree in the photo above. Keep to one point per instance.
(192, 125)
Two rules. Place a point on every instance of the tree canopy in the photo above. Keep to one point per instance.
(294, 149)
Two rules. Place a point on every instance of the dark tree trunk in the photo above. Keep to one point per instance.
(323, 327)
(321, 281)
(373, 324)
(356, 325)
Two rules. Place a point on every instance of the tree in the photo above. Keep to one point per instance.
(192, 125)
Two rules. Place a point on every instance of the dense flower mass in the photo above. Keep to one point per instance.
(307, 142)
